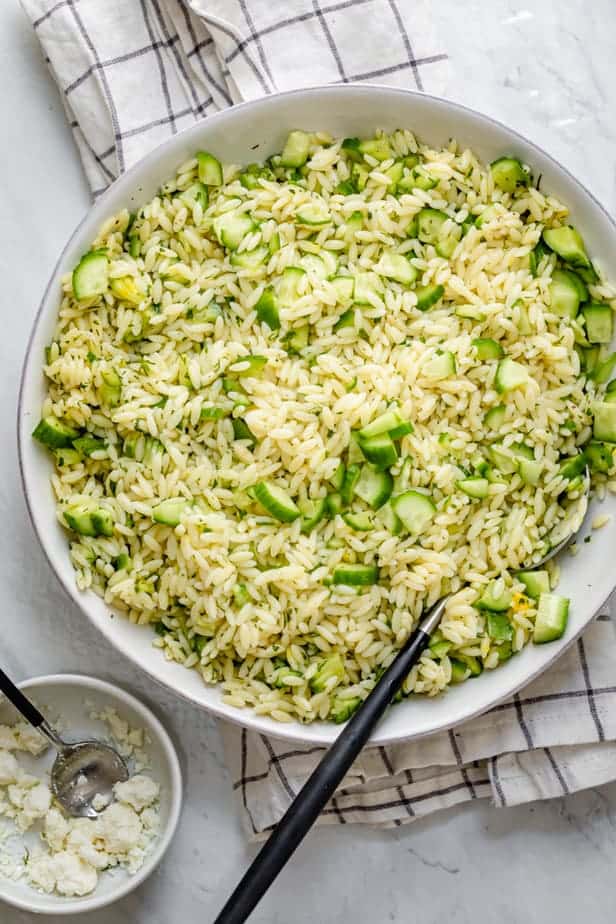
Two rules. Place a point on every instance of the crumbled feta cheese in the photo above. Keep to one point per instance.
(36, 804)
(119, 827)
(139, 792)
(601, 521)
(55, 829)
(41, 870)
(9, 768)
(73, 875)
(85, 841)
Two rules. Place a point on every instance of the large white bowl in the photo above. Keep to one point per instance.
(253, 131)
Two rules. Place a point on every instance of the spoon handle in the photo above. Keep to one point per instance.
(21, 702)
(319, 788)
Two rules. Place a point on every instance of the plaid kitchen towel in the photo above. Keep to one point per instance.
(133, 73)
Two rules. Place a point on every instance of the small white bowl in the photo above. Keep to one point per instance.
(72, 698)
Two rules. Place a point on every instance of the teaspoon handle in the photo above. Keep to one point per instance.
(21, 702)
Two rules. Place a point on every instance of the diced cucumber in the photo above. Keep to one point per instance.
(250, 259)
(367, 285)
(396, 266)
(312, 512)
(123, 562)
(91, 275)
(476, 488)
(345, 287)
(289, 285)
(395, 175)
(474, 665)
(551, 619)
(600, 456)
(231, 228)
(380, 450)
(429, 295)
(385, 423)
(195, 193)
(574, 466)
(66, 457)
(356, 575)
(241, 431)
(343, 709)
(54, 433)
(459, 671)
(499, 627)
(414, 510)
(209, 169)
(378, 148)
(488, 349)
(387, 518)
(350, 146)
(295, 150)
(530, 471)
(87, 445)
(333, 503)
(213, 413)
(489, 213)
(267, 309)
(509, 174)
(495, 417)
(568, 244)
(274, 242)
(89, 519)
(276, 501)
(431, 230)
(329, 669)
(418, 178)
(564, 294)
(535, 583)
(599, 322)
(537, 256)
(346, 320)
(604, 426)
(362, 522)
(522, 451)
(313, 214)
(503, 458)
(351, 477)
(337, 479)
(354, 453)
(509, 375)
(441, 366)
(251, 365)
(440, 649)
(403, 429)
(374, 486)
(319, 267)
(170, 512)
(490, 600)
(603, 370)
(110, 391)
(297, 339)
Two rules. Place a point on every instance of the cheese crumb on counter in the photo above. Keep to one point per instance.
(73, 852)
(601, 521)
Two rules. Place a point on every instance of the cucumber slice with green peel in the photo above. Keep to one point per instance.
(312, 512)
(459, 671)
(429, 295)
(537, 256)
(535, 583)
(89, 519)
(351, 477)
(440, 649)
(418, 178)
(274, 243)
(394, 173)
(505, 651)
(489, 213)
(337, 479)
(384, 423)
(551, 619)
(396, 266)
(522, 451)
(110, 391)
(509, 375)
(474, 665)
(313, 214)
(378, 148)
(611, 387)
(333, 503)
(91, 275)
(414, 510)
(66, 457)
(403, 429)
(564, 294)
(250, 259)
(495, 417)
(599, 322)
(568, 244)
(209, 169)
(213, 413)
(343, 709)
(346, 320)
(604, 425)
(345, 288)
(496, 602)
(276, 501)
(509, 174)
(332, 668)
(350, 146)
(412, 228)
(503, 458)
(295, 150)
(362, 522)
(170, 512)
(319, 267)
(297, 339)
(477, 488)
(499, 627)
(289, 285)
(55, 433)
(267, 309)
(251, 365)
(374, 486)
(441, 366)
(609, 397)
(87, 445)
(231, 229)
(346, 188)
(367, 286)
(600, 456)
(386, 518)
(134, 245)
(197, 193)
(354, 453)
(241, 431)
(356, 575)
(603, 370)
(430, 225)
(530, 471)
(573, 467)
(380, 450)
(488, 349)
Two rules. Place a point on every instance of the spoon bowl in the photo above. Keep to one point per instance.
(83, 777)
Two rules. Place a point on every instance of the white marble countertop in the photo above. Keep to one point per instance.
(547, 69)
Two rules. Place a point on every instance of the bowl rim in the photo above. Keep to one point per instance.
(153, 726)
(247, 718)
